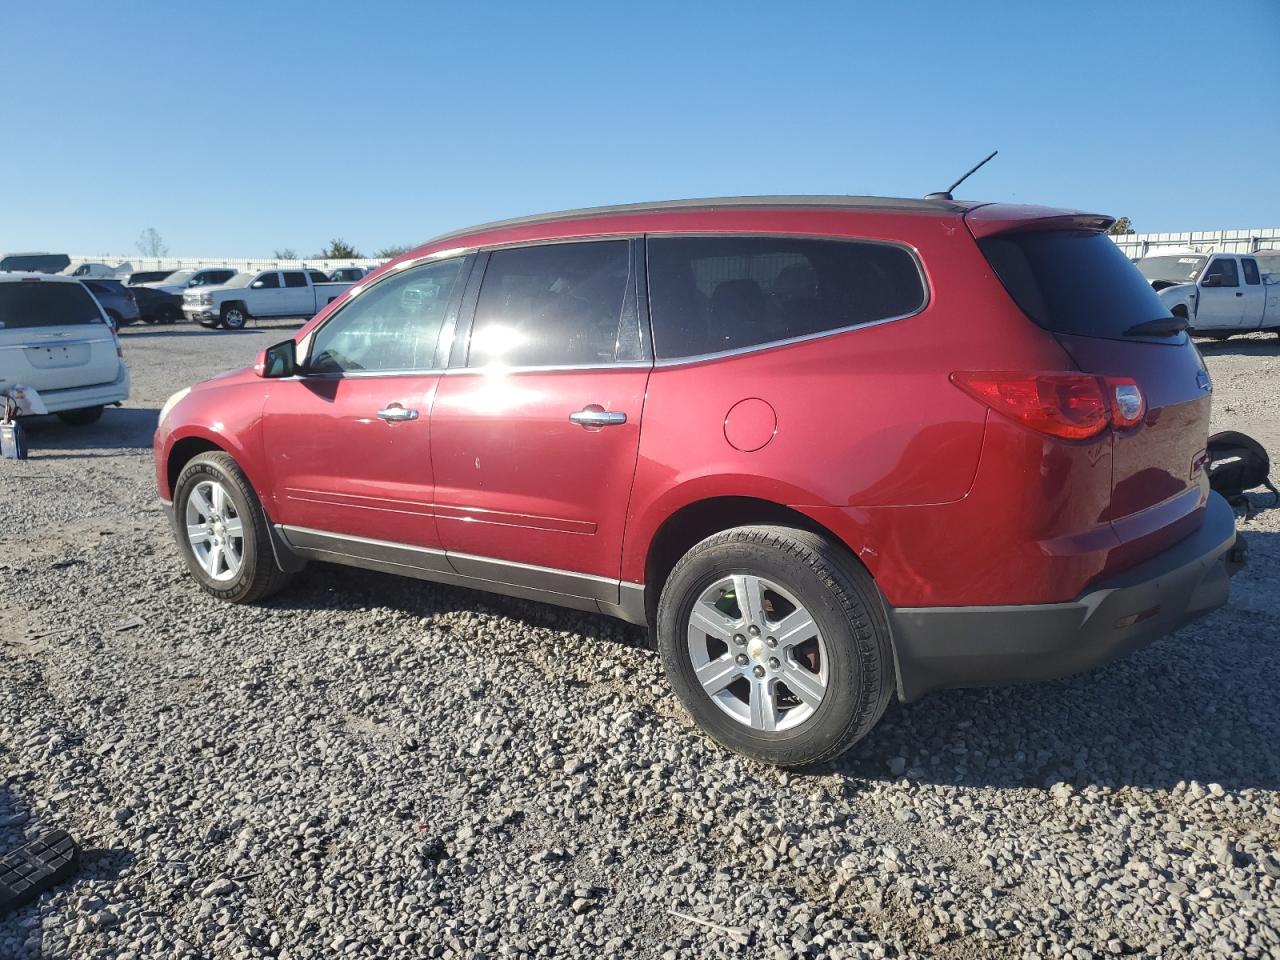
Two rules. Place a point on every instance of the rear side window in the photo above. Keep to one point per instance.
(551, 305)
(710, 294)
(39, 304)
(1250, 271)
(295, 278)
(1072, 282)
(318, 277)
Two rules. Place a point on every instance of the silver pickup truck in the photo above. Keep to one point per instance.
(1218, 293)
(267, 293)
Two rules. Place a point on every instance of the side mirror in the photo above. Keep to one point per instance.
(279, 360)
(1213, 280)
(257, 284)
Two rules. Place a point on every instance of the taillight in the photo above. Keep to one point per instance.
(1074, 406)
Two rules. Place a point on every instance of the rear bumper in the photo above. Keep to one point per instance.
(940, 647)
(76, 398)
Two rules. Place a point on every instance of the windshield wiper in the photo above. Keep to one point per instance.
(1159, 327)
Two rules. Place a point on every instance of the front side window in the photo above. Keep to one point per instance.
(295, 278)
(1225, 270)
(268, 281)
(393, 326)
(1250, 268)
(551, 305)
(711, 294)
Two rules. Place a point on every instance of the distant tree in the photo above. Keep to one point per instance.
(338, 249)
(1121, 226)
(150, 243)
(390, 253)
(288, 253)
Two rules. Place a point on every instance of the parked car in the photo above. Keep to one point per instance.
(1218, 294)
(268, 293)
(148, 276)
(55, 337)
(117, 301)
(35, 262)
(156, 306)
(100, 270)
(180, 281)
(826, 449)
(1269, 263)
(350, 274)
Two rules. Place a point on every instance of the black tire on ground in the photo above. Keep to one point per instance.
(233, 316)
(845, 605)
(259, 577)
(82, 417)
(171, 315)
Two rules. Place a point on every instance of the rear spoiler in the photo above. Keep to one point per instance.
(993, 218)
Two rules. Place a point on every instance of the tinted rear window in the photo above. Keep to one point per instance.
(710, 294)
(1072, 282)
(40, 304)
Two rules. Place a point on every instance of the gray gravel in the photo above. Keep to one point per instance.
(375, 767)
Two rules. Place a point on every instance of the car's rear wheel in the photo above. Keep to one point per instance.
(222, 531)
(81, 417)
(234, 317)
(776, 642)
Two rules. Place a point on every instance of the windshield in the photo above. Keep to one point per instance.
(179, 278)
(239, 280)
(1182, 269)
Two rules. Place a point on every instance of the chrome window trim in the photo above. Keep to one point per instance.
(494, 369)
(910, 249)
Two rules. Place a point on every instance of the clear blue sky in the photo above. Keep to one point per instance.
(236, 129)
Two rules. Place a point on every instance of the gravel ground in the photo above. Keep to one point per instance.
(374, 767)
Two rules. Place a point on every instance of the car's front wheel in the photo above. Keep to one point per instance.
(222, 531)
(776, 642)
(234, 317)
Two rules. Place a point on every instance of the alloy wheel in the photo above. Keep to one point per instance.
(215, 530)
(757, 653)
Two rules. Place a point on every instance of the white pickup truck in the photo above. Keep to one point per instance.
(1218, 293)
(267, 293)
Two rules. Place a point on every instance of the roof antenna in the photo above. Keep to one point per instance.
(946, 194)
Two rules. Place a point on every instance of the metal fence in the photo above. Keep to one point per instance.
(1199, 241)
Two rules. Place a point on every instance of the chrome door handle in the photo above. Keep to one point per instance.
(395, 413)
(597, 416)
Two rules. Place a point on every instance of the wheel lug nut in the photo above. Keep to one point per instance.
(740, 659)
(739, 639)
(753, 630)
(773, 663)
(758, 671)
(771, 641)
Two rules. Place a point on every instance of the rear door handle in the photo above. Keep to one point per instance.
(594, 415)
(395, 413)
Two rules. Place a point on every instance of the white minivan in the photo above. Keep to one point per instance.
(55, 338)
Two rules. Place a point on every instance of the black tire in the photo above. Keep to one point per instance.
(259, 577)
(82, 417)
(233, 316)
(845, 605)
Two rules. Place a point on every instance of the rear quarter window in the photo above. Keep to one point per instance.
(712, 294)
(41, 304)
(1072, 282)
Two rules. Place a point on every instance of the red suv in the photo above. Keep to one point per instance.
(827, 449)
